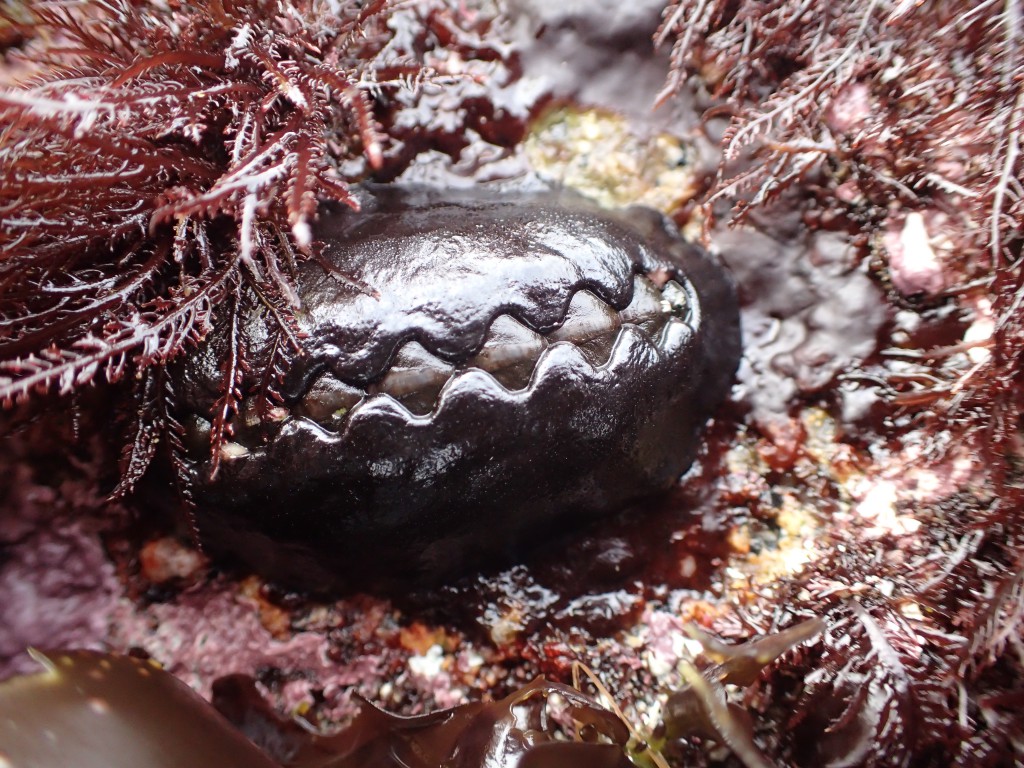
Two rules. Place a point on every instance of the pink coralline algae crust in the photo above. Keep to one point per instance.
(215, 631)
(58, 584)
(62, 589)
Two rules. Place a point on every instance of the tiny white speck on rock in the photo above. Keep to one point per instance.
(429, 664)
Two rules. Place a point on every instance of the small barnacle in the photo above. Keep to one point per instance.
(513, 364)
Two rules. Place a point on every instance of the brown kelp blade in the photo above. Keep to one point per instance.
(96, 710)
(514, 732)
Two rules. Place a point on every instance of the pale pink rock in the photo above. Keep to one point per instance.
(914, 266)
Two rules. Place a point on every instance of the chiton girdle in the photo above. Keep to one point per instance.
(520, 363)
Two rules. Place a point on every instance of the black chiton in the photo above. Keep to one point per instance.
(519, 363)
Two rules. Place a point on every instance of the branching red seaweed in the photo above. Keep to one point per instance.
(160, 170)
(885, 94)
(877, 107)
(899, 123)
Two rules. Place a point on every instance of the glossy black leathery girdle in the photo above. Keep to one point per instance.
(514, 364)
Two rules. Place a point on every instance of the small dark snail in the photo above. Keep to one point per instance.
(519, 363)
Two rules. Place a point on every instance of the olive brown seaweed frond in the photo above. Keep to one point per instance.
(160, 166)
(143, 712)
